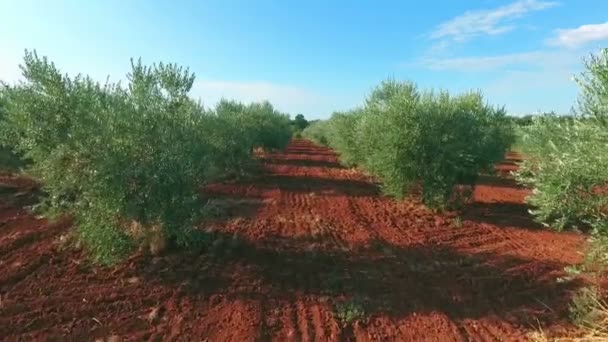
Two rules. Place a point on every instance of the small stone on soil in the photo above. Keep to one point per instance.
(133, 280)
(153, 315)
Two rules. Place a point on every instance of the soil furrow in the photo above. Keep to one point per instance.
(313, 235)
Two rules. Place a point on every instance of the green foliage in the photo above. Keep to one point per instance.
(300, 123)
(117, 158)
(339, 133)
(528, 119)
(567, 158)
(411, 139)
(566, 166)
(9, 160)
(318, 132)
(596, 258)
(350, 311)
(523, 120)
(593, 100)
(344, 136)
(240, 128)
(271, 128)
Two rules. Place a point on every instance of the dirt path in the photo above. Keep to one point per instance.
(303, 239)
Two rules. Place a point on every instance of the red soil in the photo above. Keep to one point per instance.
(315, 235)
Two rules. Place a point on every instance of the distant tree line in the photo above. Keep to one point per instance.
(528, 119)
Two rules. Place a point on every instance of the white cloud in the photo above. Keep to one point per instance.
(538, 80)
(286, 98)
(482, 63)
(536, 59)
(579, 36)
(487, 22)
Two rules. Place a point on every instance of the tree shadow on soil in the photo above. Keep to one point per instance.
(327, 186)
(305, 163)
(498, 182)
(514, 157)
(502, 212)
(501, 215)
(307, 148)
(298, 184)
(311, 152)
(390, 280)
(19, 191)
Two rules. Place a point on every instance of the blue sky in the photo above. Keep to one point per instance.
(316, 57)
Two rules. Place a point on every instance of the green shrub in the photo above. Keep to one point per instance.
(272, 128)
(9, 160)
(350, 311)
(318, 132)
(260, 124)
(566, 166)
(411, 139)
(567, 159)
(299, 123)
(344, 136)
(232, 142)
(239, 129)
(127, 163)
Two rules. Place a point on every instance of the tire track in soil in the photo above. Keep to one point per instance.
(320, 236)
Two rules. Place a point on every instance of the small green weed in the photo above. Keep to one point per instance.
(350, 311)
(572, 272)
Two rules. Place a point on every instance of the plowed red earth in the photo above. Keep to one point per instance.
(315, 235)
